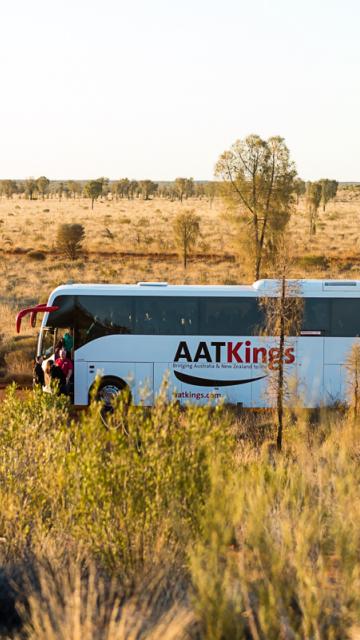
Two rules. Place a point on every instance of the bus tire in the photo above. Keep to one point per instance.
(109, 388)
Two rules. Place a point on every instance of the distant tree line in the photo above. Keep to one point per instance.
(179, 190)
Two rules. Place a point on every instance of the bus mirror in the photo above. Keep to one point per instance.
(33, 311)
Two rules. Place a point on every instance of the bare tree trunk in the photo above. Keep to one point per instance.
(356, 395)
(280, 386)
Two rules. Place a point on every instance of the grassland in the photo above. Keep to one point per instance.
(178, 524)
(132, 240)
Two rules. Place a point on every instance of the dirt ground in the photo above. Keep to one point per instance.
(133, 240)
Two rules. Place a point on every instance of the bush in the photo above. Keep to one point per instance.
(36, 255)
(69, 239)
(319, 261)
(21, 251)
(119, 494)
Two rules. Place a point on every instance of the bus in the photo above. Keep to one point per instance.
(206, 341)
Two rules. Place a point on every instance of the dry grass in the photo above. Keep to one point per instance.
(80, 602)
(132, 240)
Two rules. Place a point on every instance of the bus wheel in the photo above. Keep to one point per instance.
(109, 389)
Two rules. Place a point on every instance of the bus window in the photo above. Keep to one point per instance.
(345, 317)
(98, 316)
(316, 315)
(64, 316)
(166, 315)
(230, 316)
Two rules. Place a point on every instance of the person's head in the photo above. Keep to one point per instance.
(63, 354)
(39, 359)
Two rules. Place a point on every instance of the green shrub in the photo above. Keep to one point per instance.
(120, 494)
(319, 261)
(69, 239)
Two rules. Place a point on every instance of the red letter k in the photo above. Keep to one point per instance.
(232, 352)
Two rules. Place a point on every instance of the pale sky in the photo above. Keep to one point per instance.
(159, 88)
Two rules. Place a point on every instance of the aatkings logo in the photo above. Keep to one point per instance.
(234, 352)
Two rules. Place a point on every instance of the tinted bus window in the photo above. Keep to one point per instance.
(230, 316)
(166, 316)
(316, 315)
(345, 317)
(98, 316)
(64, 317)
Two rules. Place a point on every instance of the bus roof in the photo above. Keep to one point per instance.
(260, 287)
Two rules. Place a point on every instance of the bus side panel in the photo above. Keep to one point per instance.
(337, 351)
(80, 383)
(310, 370)
(144, 383)
(334, 384)
(264, 370)
(165, 381)
(123, 370)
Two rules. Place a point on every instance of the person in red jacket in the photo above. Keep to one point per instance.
(65, 365)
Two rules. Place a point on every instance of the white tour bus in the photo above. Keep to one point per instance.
(207, 340)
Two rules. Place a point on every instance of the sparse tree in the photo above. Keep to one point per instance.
(258, 180)
(8, 188)
(104, 186)
(186, 231)
(69, 239)
(122, 187)
(42, 184)
(73, 188)
(313, 199)
(328, 191)
(179, 187)
(132, 189)
(147, 188)
(60, 190)
(199, 190)
(210, 191)
(184, 187)
(30, 188)
(283, 317)
(299, 188)
(93, 190)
